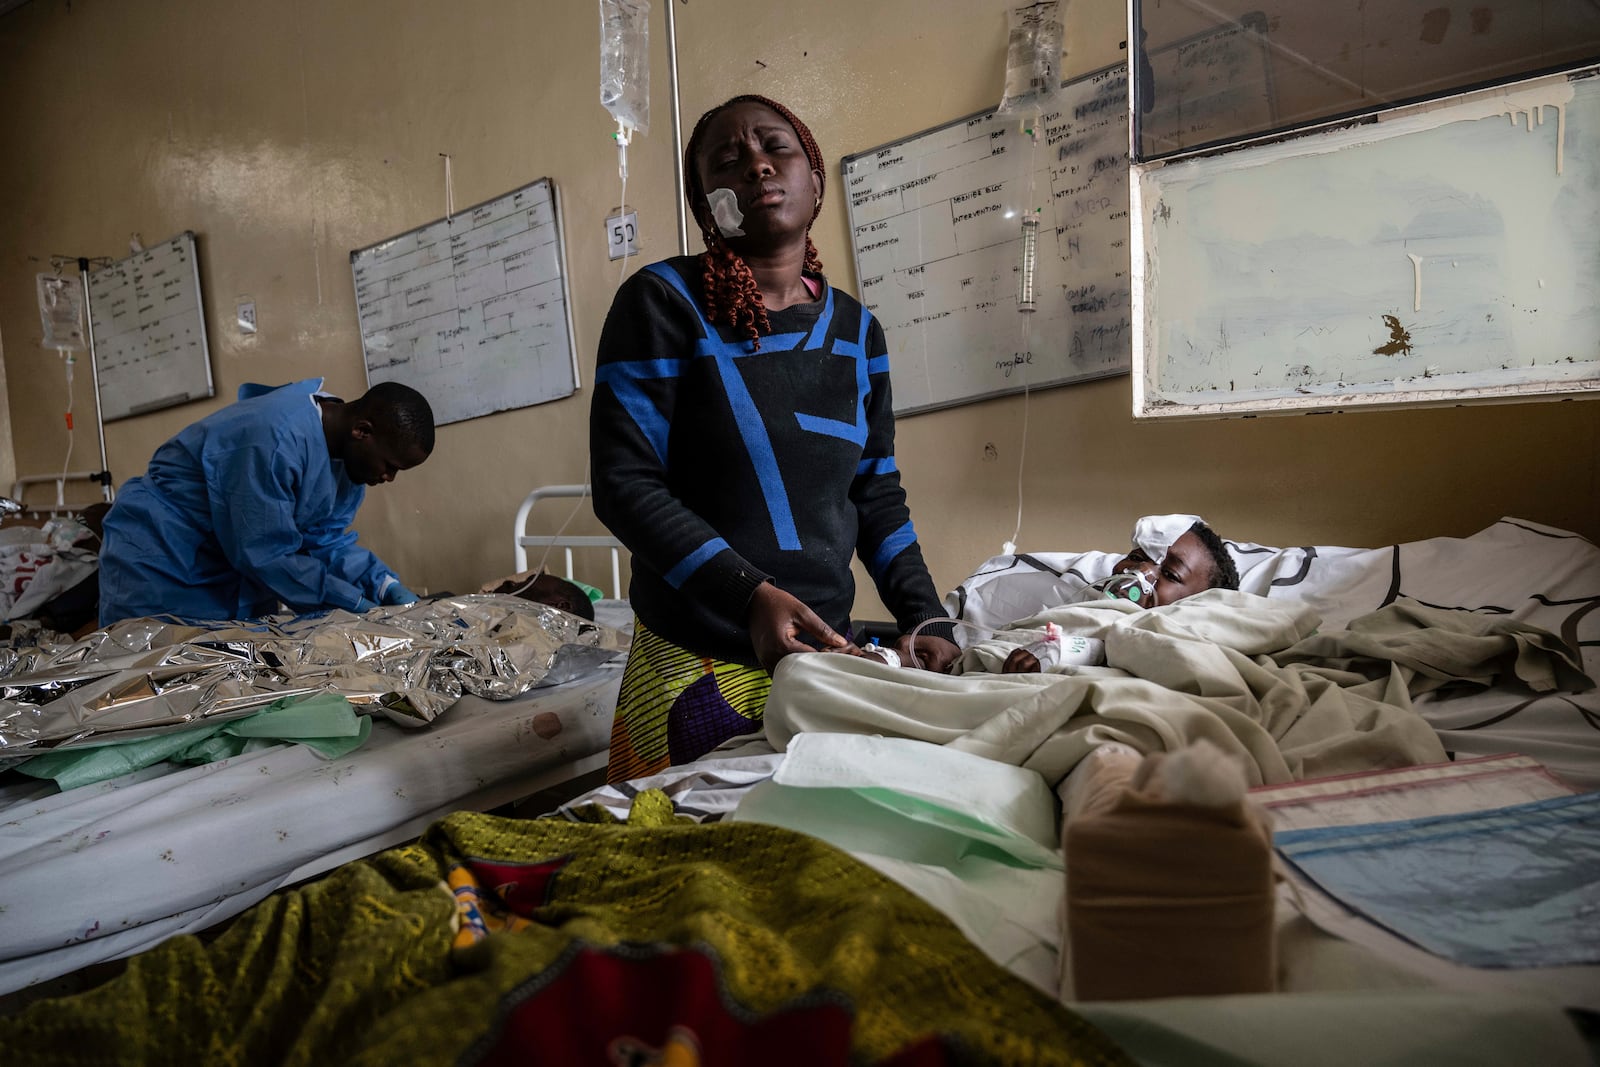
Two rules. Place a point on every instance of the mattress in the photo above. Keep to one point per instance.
(105, 871)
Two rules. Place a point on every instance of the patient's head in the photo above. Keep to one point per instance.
(543, 588)
(1196, 561)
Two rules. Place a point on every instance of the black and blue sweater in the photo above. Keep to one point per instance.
(721, 467)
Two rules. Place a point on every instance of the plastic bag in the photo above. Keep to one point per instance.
(1033, 59)
(61, 312)
(625, 62)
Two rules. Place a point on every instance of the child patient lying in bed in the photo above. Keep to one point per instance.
(544, 588)
(1173, 557)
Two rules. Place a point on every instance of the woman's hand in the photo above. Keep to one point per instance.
(777, 620)
(928, 652)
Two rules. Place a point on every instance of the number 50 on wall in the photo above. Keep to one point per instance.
(622, 234)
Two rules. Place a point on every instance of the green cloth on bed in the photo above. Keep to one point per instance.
(782, 930)
(324, 722)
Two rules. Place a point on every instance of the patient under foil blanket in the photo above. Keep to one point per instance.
(146, 676)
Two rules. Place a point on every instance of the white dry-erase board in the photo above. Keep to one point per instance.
(150, 330)
(1434, 254)
(936, 224)
(472, 310)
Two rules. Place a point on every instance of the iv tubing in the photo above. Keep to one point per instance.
(623, 136)
(66, 357)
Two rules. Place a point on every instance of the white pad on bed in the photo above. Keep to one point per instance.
(974, 838)
(1009, 803)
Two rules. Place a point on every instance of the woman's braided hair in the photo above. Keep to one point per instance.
(732, 297)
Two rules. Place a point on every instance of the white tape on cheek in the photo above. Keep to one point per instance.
(725, 211)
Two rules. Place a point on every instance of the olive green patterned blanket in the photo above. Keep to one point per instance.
(498, 940)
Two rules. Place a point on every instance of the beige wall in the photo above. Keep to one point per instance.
(289, 132)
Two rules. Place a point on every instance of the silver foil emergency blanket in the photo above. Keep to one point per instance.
(147, 676)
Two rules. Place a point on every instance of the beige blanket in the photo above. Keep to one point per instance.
(1245, 672)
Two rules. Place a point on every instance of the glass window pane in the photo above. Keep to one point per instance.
(1216, 71)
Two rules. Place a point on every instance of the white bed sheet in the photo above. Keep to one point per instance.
(617, 614)
(1533, 573)
(102, 872)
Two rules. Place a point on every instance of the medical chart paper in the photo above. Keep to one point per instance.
(1413, 792)
(1511, 887)
(1409, 793)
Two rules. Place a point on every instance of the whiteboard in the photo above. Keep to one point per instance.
(149, 330)
(1442, 252)
(472, 310)
(935, 224)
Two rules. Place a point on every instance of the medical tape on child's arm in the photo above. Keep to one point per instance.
(889, 656)
(1048, 645)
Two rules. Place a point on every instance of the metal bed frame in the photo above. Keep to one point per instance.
(523, 540)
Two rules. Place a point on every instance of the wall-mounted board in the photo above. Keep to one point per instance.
(1437, 253)
(150, 330)
(935, 222)
(472, 310)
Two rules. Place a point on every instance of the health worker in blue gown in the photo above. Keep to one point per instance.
(250, 507)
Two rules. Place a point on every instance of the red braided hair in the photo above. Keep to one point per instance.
(732, 296)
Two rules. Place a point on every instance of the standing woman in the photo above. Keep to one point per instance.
(743, 449)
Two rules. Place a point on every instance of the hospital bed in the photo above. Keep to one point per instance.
(1406, 1007)
(1339, 1004)
(1514, 569)
(104, 871)
(49, 554)
(522, 540)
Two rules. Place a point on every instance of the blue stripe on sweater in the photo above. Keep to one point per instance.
(674, 279)
(855, 433)
(882, 465)
(624, 379)
(759, 447)
(694, 561)
(819, 332)
(892, 546)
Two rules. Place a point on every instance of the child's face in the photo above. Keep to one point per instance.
(542, 589)
(1186, 570)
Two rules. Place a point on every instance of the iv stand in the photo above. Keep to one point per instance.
(103, 475)
(677, 128)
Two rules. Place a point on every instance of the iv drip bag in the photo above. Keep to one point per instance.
(625, 62)
(1033, 59)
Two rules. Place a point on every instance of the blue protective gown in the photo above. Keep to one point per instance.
(238, 512)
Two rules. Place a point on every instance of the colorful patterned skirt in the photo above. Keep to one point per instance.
(676, 706)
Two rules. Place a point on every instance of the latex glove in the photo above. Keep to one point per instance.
(777, 619)
(363, 605)
(396, 594)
